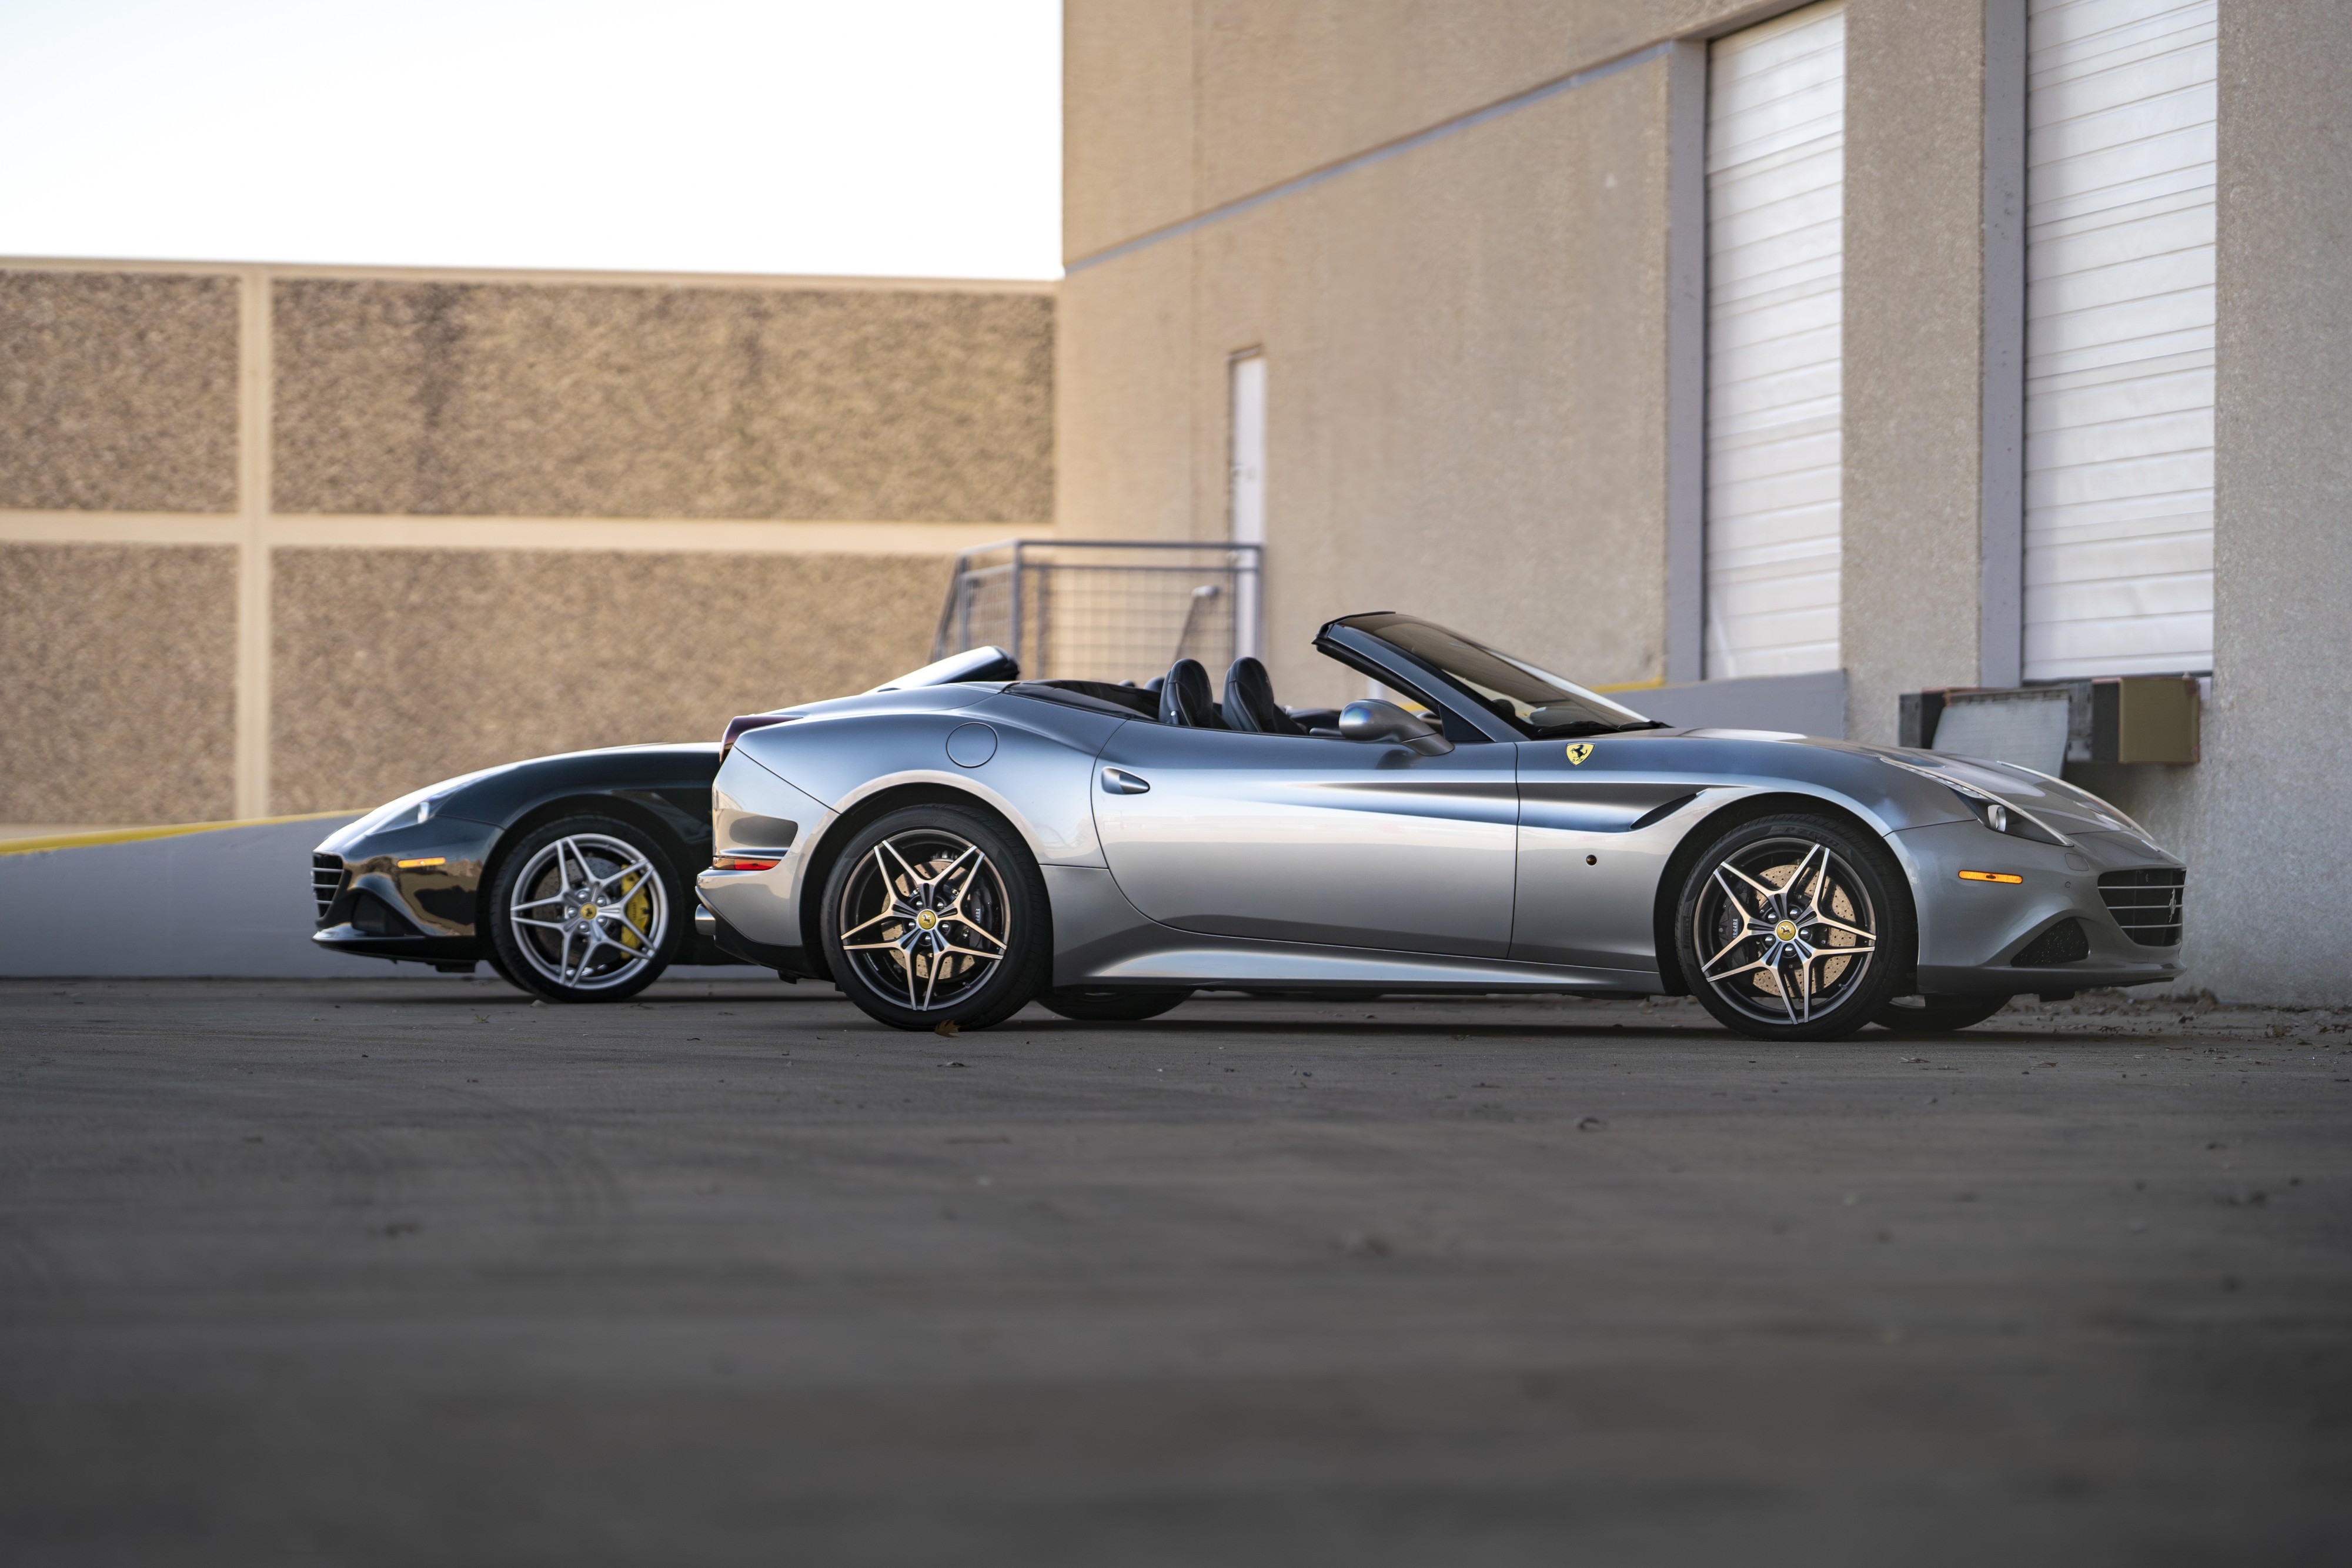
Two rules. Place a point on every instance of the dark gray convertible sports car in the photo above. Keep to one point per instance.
(493, 864)
(960, 843)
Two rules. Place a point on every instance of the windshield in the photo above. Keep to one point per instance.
(1537, 702)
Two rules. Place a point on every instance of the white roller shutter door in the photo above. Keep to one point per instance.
(2120, 106)
(1775, 296)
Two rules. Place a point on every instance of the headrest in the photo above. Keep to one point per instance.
(1249, 701)
(1185, 697)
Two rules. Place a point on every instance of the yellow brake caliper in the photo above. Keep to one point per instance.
(639, 909)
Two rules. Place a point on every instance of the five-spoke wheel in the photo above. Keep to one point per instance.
(936, 915)
(583, 909)
(1781, 926)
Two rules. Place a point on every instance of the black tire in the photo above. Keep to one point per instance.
(1936, 1014)
(546, 869)
(1109, 1006)
(1788, 968)
(910, 864)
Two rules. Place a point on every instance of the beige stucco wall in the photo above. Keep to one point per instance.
(396, 668)
(118, 695)
(1466, 344)
(1465, 408)
(1174, 105)
(540, 399)
(2262, 818)
(1913, 353)
(118, 391)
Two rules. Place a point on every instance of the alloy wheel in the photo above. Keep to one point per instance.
(1789, 929)
(924, 915)
(588, 912)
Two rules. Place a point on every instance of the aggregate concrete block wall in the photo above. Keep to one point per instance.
(396, 668)
(468, 398)
(118, 693)
(280, 539)
(118, 391)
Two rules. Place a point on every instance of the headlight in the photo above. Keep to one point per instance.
(2003, 817)
(1992, 810)
(414, 807)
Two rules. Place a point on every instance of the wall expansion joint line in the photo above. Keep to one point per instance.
(253, 485)
(1365, 160)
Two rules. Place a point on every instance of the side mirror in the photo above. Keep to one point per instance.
(1368, 718)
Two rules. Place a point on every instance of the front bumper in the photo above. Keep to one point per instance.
(406, 893)
(1971, 933)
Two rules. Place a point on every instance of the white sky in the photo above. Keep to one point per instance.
(910, 138)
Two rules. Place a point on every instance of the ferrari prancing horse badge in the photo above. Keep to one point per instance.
(1579, 752)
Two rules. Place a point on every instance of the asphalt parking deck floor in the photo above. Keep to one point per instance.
(386, 1272)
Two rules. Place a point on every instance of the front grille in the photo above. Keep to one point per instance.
(326, 881)
(2065, 942)
(2146, 904)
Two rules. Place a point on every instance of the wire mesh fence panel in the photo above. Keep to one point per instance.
(1104, 611)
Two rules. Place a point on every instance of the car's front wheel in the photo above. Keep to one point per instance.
(586, 909)
(1793, 927)
(936, 915)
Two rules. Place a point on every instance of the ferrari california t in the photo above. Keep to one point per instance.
(953, 846)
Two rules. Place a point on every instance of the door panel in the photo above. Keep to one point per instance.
(1301, 839)
(1572, 813)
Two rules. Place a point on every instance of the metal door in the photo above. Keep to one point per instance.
(1300, 839)
(1597, 820)
(2122, 111)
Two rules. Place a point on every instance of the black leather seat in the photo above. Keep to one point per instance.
(1185, 698)
(1249, 704)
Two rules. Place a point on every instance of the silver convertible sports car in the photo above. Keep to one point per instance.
(953, 846)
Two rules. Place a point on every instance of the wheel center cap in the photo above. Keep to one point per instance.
(587, 912)
(927, 920)
(1786, 931)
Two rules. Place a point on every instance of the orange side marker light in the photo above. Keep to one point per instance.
(1989, 876)
(419, 864)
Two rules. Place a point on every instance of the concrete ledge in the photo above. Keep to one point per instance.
(231, 900)
(1809, 704)
(218, 899)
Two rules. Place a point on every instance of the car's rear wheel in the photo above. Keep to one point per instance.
(1936, 1014)
(1793, 927)
(1107, 1005)
(936, 915)
(586, 909)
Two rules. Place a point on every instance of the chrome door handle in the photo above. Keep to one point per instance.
(1120, 781)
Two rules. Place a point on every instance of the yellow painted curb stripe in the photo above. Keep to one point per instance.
(1651, 685)
(134, 835)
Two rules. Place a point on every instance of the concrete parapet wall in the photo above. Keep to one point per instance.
(394, 667)
(276, 539)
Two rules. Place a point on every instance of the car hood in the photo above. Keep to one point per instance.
(444, 798)
(2058, 804)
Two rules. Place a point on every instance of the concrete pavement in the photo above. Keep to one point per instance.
(372, 1271)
